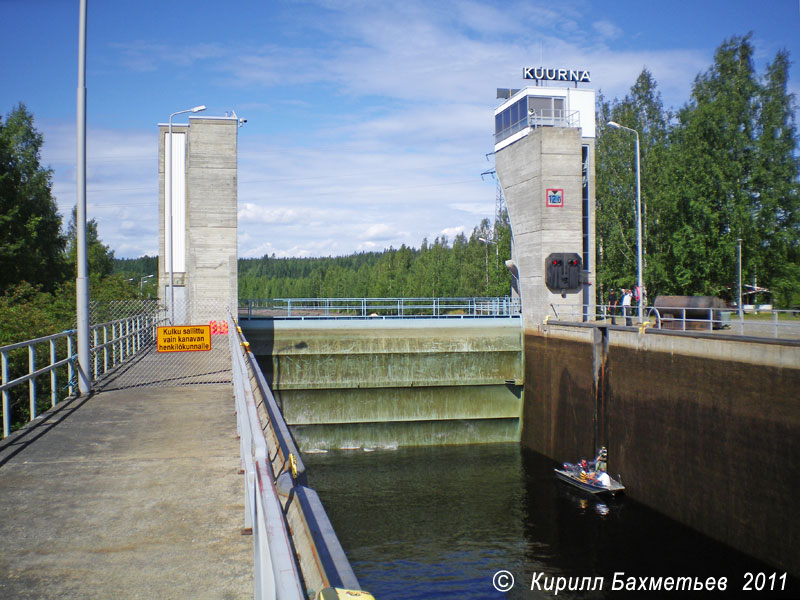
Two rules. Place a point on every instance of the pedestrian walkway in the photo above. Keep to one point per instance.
(126, 493)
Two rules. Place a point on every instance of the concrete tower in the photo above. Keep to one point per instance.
(204, 209)
(544, 157)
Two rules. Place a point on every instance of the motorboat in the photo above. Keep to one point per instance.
(590, 476)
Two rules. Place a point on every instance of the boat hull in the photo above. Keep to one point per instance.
(592, 488)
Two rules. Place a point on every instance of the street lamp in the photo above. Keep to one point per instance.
(141, 281)
(638, 218)
(82, 266)
(487, 242)
(739, 281)
(168, 202)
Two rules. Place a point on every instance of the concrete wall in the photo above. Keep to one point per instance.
(398, 382)
(548, 157)
(211, 265)
(210, 281)
(706, 431)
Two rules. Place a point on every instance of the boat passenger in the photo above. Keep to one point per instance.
(601, 462)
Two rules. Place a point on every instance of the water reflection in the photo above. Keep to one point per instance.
(422, 523)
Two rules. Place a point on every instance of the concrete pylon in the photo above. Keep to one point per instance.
(204, 238)
(547, 179)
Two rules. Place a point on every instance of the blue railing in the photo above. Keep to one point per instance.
(363, 308)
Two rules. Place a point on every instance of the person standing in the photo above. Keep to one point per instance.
(627, 295)
(612, 305)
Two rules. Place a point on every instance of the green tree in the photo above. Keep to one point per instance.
(643, 111)
(712, 156)
(499, 275)
(733, 159)
(31, 244)
(723, 168)
(99, 256)
(437, 269)
(775, 205)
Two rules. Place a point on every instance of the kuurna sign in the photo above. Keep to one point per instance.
(544, 74)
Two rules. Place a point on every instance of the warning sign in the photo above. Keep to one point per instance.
(184, 338)
(554, 197)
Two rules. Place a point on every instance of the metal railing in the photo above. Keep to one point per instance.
(113, 343)
(363, 308)
(121, 339)
(33, 373)
(783, 324)
(553, 117)
(276, 573)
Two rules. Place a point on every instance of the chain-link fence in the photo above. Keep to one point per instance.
(124, 353)
(131, 345)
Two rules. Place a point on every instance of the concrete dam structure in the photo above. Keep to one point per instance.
(396, 382)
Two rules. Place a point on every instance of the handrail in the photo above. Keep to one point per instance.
(276, 572)
(360, 308)
(783, 323)
(6, 384)
(129, 336)
(321, 560)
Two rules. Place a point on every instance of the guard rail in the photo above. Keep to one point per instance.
(293, 538)
(784, 324)
(121, 340)
(361, 308)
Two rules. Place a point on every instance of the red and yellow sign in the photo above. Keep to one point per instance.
(184, 338)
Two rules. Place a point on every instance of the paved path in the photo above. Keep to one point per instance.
(129, 493)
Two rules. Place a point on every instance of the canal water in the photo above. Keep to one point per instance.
(442, 522)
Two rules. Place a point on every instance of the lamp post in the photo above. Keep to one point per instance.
(142, 280)
(487, 242)
(82, 267)
(168, 202)
(638, 219)
(739, 281)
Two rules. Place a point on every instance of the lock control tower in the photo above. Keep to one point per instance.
(544, 158)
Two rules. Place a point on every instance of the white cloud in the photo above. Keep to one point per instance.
(607, 30)
(474, 208)
(378, 231)
(452, 232)
(250, 213)
(368, 126)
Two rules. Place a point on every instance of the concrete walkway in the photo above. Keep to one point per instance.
(130, 493)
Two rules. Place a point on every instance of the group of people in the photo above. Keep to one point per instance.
(595, 470)
(628, 296)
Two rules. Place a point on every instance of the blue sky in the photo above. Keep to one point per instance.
(368, 122)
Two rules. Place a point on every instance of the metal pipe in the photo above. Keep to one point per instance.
(53, 375)
(6, 395)
(82, 279)
(32, 381)
(739, 281)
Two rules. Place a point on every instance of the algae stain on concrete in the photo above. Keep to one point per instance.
(394, 383)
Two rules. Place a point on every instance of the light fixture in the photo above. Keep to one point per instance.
(639, 274)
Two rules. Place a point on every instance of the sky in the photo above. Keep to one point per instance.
(368, 123)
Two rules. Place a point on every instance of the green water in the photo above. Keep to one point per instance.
(439, 522)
